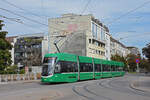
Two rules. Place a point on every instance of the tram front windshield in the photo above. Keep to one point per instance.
(48, 66)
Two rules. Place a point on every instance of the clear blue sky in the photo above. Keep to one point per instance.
(133, 28)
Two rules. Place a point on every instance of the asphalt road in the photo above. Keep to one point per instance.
(117, 88)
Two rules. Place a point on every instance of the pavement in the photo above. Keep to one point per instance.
(116, 88)
(21, 81)
(142, 83)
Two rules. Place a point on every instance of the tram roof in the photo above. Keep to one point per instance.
(83, 59)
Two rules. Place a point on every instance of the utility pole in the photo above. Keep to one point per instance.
(137, 66)
(48, 43)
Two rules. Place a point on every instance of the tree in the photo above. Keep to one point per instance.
(145, 64)
(131, 62)
(5, 46)
(146, 51)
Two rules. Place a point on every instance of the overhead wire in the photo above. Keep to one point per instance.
(23, 17)
(130, 11)
(28, 18)
(11, 4)
(146, 33)
(16, 20)
(85, 7)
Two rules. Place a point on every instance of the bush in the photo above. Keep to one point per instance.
(22, 71)
(9, 70)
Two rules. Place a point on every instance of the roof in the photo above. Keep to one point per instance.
(114, 40)
(32, 35)
(73, 57)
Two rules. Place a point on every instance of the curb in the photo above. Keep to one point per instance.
(132, 85)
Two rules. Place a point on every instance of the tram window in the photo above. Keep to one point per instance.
(109, 68)
(113, 67)
(58, 68)
(97, 67)
(117, 68)
(106, 68)
(120, 69)
(86, 67)
(67, 66)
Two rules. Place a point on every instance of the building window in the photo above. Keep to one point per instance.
(89, 40)
(94, 30)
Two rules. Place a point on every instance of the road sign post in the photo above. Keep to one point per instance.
(137, 65)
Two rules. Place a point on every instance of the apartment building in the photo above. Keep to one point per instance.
(28, 50)
(134, 50)
(107, 46)
(79, 34)
(117, 47)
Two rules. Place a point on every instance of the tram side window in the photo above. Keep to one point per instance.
(117, 68)
(120, 69)
(97, 67)
(109, 68)
(113, 67)
(106, 68)
(86, 67)
(66, 66)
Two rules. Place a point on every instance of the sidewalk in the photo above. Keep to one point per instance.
(21, 81)
(142, 84)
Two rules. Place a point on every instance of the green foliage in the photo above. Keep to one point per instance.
(10, 70)
(1, 24)
(146, 51)
(31, 40)
(131, 58)
(22, 71)
(5, 46)
(145, 64)
(130, 62)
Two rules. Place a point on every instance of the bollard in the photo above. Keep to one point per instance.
(11, 77)
(23, 76)
(35, 78)
(5, 77)
(18, 77)
(28, 76)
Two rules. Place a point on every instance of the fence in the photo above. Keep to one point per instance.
(19, 77)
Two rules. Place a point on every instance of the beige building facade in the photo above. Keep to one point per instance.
(72, 28)
(117, 47)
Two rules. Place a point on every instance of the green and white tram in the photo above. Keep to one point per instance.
(64, 67)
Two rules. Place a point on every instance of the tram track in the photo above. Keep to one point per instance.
(91, 92)
(109, 85)
(81, 94)
(87, 90)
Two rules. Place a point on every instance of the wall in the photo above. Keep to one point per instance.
(66, 25)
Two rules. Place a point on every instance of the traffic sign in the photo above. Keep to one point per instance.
(137, 60)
